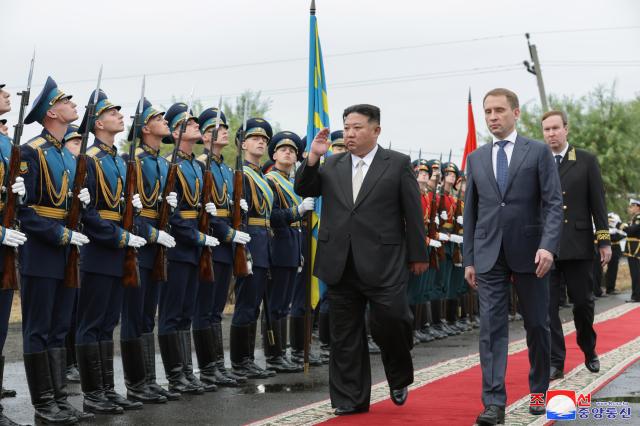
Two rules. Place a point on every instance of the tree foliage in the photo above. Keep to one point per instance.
(608, 127)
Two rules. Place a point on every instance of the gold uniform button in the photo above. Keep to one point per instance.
(564, 207)
(566, 221)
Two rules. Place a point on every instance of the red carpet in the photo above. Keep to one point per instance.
(455, 400)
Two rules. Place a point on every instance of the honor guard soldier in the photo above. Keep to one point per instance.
(632, 248)
(140, 303)
(285, 148)
(212, 297)
(48, 169)
(616, 252)
(337, 142)
(10, 238)
(102, 261)
(250, 290)
(178, 294)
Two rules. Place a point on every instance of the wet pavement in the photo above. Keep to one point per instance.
(264, 398)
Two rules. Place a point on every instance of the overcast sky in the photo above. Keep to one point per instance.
(414, 59)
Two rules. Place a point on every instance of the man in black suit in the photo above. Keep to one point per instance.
(583, 205)
(371, 235)
(513, 220)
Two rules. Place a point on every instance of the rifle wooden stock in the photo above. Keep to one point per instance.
(131, 273)
(205, 267)
(72, 268)
(457, 254)
(160, 261)
(240, 255)
(10, 275)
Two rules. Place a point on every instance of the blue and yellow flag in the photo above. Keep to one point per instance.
(318, 119)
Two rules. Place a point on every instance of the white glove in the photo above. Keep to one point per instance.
(307, 205)
(243, 205)
(211, 241)
(172, 199)
(460, 220)
(13, 238)
(241, 237)
(135, 241)
(165, 239)
(435, 243)
(443, 237)
(613, 217)
(211, 209)
(136, 203)
(78, 239)
(624, 234)
(250, 267)
(613, 231)
(437, 221)
(84, 197)
(444, 216)
(456, 238)
(18, 187)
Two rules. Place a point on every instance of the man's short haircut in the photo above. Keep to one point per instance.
(512, 98)
(372, 112)
(551, 113)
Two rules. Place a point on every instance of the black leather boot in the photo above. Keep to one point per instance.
(204, 342)
(240, 353)
(218, 349)
(135, 378)
(273, 353)
(296, 333)
(4, 421)
(90, 366)
(252, 349)
(38, 372)
(149, 351)
(171, 352)
(106, 356)
(58, 366)
(187, 362)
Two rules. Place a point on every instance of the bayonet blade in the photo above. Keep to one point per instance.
(190, 104)
(33, 60)
(95, 95)
(218, 115)
(244, 114)
(141, 104)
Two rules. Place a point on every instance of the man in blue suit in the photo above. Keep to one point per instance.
(513, 222)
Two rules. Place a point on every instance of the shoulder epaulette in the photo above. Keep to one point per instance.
(202, 158)
(93, 151)
(37, 142)
(168, 157)
(139, 151)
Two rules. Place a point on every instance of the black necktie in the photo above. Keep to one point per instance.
(558, 160)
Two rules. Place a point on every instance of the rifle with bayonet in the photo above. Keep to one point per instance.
(131, 274)
(442, 206)
(160, 261)
(72, 268)
(240, 267)
(10, 275)
(205, 266)
(457, 228)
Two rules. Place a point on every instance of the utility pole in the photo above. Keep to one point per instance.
(536, 70)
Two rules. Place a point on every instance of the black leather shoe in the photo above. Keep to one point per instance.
(537, 410)
(345, 411)
(632, 300)
(556, 374)
(492, 415)
(399, 396)
(613, 292)
(592, 363)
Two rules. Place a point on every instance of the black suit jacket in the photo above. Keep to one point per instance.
(583, 202)
(383, 228)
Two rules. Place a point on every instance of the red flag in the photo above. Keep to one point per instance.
(471, 143)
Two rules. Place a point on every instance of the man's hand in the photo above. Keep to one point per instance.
(84, 197)
(135, 202)
(18, 187)
(307, 205)
(165, 239)
(418, 268)
(544, 260)
(456, 238)
(136, 241)
(460, 220)
(78, 239)
(605, 255)
(211, 209)
(319, 146)
(13, 238)
(435, 243)
(470, 276)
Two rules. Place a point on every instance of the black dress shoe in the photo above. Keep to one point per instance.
(399, 396)
(492, 415)
(613, 292)
(345, 411)
(556, 374)
(592, 363)
(632, 300)
(537, 410)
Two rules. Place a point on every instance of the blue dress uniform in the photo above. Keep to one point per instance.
(286, 254)
(250, 290)
(101, 271)
(6, 296)
(178, 294)
(212, 297)
(140, 303)
(48, 170)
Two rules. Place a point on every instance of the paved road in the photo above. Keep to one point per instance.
(260, 399)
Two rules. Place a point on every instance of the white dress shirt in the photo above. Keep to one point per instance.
(367, 162)
(508, 148)
(562, 153)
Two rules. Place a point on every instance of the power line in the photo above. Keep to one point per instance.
(343, 54)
